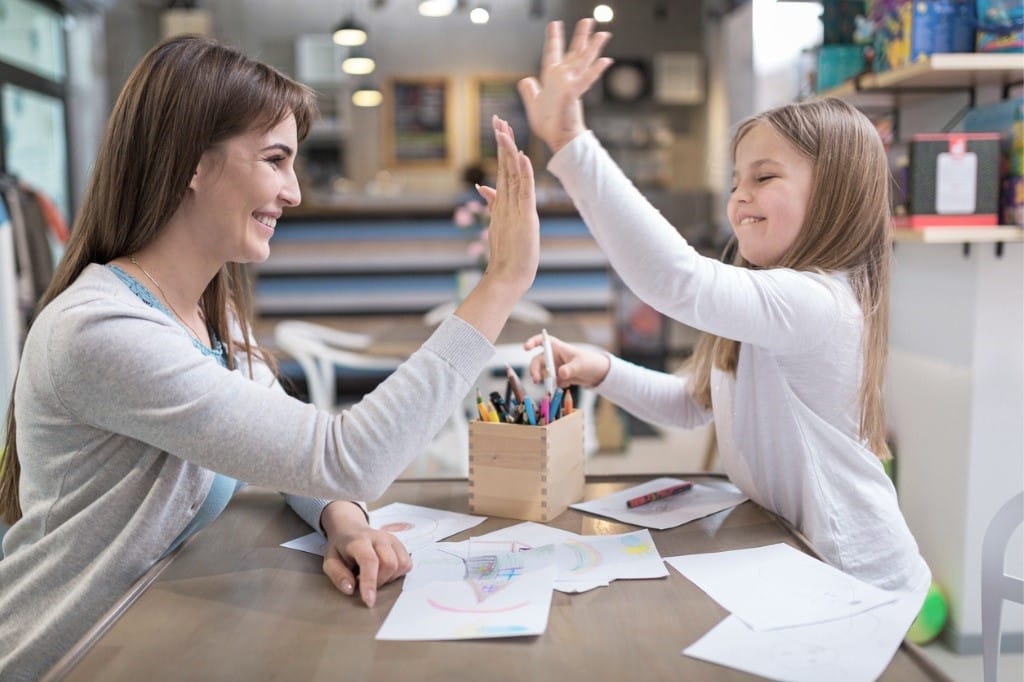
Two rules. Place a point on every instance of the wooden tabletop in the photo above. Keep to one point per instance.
(232, 604)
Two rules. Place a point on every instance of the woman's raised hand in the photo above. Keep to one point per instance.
(514, 231)
(552, 101)
(573, 366)
(514, 239)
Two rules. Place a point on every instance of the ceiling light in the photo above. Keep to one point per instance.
(349, 34)
(603, 14)
(479, 15)
(437, 8)
(358, 63)
(367, 95)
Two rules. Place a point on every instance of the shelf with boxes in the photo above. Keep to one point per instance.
(956, 180)
(952, 71)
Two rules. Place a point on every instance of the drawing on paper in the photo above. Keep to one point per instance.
(584, 557)
(407, 527)
(486, 575)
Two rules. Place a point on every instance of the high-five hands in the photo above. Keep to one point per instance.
(552, 102)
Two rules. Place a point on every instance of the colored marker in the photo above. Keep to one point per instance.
(549, 362)
(659, 494)
(528, 409)
(545, 410)
(499, 406)
(556, 403)
(567, 402)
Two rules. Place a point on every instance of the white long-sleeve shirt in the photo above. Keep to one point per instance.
(788, 421)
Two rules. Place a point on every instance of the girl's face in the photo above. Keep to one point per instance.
(241, 188)
(771, 189)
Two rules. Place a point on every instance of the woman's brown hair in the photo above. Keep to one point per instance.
(847, 226)
(187, 95)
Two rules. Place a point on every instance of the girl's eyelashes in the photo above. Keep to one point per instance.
(275, 160)
(765, 178)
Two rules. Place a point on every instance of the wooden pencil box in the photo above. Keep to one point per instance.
(531, 473)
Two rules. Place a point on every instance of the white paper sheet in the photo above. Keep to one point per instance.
(507, 594)
(777, 586)
(585, 561)
(314, 543)
(413, 525)
(701, 500)
(853, 649)
(419, 526)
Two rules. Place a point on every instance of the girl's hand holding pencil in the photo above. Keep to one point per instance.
(573, 366)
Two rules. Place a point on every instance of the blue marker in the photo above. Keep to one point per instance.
(556, 404)
(528, 408)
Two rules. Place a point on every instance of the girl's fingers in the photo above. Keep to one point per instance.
(553, 45)
(594, 72)
(580, 37)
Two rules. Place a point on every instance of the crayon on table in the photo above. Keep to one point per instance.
(659, 494)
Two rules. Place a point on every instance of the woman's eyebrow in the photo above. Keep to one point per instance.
(283, 147)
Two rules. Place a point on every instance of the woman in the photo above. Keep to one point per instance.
(140, 378)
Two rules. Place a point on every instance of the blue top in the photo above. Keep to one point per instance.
(223, 487)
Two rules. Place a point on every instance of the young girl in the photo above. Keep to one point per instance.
(791, 362)
(140, 378)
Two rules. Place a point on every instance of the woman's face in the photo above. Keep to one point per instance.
(241, 188)
(771, 190)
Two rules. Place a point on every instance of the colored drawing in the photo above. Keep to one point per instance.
(584, 557)
(409, 528)
(417, 527)
(455, 609)
(634, 545)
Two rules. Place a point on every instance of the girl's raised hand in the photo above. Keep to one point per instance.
(573, 366)
(552, 102)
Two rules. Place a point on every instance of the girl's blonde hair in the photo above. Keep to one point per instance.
(187, 95)
(847, 226)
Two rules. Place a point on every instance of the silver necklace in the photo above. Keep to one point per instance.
(181, 319)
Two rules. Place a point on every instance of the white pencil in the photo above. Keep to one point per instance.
(549, 363)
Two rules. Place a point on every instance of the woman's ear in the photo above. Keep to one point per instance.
(193, 182)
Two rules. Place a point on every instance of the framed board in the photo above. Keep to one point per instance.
(417, 121)
(497, 95)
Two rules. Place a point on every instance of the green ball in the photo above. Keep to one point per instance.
(932, 617)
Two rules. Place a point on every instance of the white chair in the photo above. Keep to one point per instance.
(524, 311)
(321, 350)
(996, 585)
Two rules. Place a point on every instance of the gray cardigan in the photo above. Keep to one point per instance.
(121, 424)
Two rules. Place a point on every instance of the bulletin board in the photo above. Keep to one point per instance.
(497, 95)
(417, 122)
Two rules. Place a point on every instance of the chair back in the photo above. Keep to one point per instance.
(321, 350)
(996, 584)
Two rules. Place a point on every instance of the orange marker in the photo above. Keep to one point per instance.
(567, 402)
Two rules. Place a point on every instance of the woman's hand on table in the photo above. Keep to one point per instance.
(358, 554)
